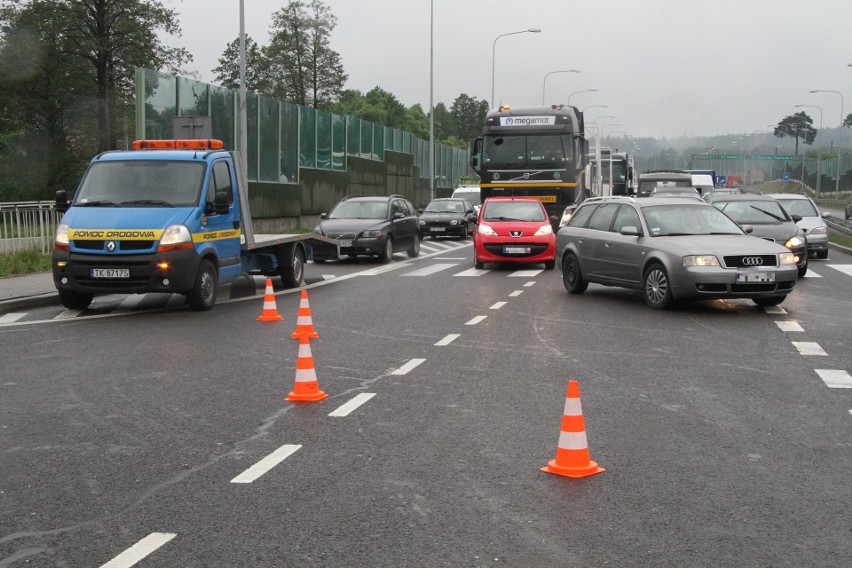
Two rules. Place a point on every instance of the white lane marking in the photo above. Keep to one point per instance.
(476, 320)
(809, 348)
(431, 269)
(382, 270)
(139, 550)
(68, 314)
(128, 303)
(775, 310)
(404, 370)
(516, 293)
(497, 305)
(448, 339)
(789, 326)
(844, 268)
(346, 409)
(450, 258)
(530, 283)
(835, 378)
(811, 274)
(472, 272)
(328, 276)
(9, 318)
(525, 273)
(266, 463)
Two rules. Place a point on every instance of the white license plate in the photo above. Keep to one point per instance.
(755, 277)
(345, 243)
(109, 272)
(437, 229)
(516, 250)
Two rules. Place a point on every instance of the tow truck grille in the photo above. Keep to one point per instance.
(120, 245)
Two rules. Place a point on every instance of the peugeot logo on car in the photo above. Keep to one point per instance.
(516, 234)
(752, 261)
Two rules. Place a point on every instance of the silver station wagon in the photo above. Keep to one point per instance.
(670, 249)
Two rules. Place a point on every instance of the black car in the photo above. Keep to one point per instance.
(847, 214)
(448, 216)
(376, 226)
(762, 216)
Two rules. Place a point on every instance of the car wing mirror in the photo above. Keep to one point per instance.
(747, 229)
(398, 215)
(630, 231)
(796, 218)
(323, 215)
(827, 215)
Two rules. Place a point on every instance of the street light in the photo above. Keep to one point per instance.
(585, 108)
(578, 92)
(544, 83)
(819, 150)
(494, 52)
(836, 158)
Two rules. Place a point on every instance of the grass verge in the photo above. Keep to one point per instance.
(24, 262)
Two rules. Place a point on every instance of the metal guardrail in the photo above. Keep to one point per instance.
(26, 225)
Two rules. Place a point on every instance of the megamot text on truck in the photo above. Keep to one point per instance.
(169, 216)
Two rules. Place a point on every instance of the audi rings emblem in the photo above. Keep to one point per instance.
(752, 261)
(111, 246)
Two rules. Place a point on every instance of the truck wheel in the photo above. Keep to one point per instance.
(75, 300)
(202, 297)
(291, 265)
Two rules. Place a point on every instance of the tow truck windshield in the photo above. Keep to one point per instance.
(136, 183)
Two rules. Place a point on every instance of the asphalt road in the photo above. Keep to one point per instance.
(122, 431)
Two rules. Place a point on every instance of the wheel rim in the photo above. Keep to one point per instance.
(656, 286)
(389, 248)
(416, 244)
(297, 267)
(206, 286)
(571, 273)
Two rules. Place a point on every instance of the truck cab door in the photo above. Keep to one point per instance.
(221, 230)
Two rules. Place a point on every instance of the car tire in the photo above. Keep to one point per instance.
(550, 265)
(803, 269)
(656, 287)
(414, 251)
(75, 300)
(202, 297)
(387, 253)
(822, 254)
(291, 265)
(771, 301)
(477, 264)
(463, 234)
(572, 276)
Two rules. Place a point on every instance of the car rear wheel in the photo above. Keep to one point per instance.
(291, 265)
(387, 254)
(415, 247)
(656, 288)
(572, 277)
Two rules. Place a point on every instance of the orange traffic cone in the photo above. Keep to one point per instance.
(572, 452)
(306, 387)
(304, 324)
(270, 312)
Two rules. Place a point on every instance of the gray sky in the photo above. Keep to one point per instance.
(664, 68)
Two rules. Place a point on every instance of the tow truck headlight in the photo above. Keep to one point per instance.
(787, 258)
(175, 237)
(484, 229)
(795, 242)
(544, 230)
(701, 260)
(61, 237)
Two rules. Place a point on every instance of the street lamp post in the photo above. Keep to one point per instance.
(241, 105)
(585, 108)
(431, 101)
(578, 92)
(819, 150)
(836, 158)
(544, 83)
(494, 53)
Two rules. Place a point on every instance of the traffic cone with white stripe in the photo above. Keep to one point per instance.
(572, 452)
(270, 312)
(306, 387)
(304, 323)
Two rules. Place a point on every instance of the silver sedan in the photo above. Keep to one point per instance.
(670, 249)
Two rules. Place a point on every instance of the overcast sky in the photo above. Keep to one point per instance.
(664, 68)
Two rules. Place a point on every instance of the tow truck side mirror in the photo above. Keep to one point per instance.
(61, 201)
(221, 203)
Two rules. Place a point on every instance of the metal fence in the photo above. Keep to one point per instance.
(27, 225)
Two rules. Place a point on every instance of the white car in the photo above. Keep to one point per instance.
(471, 193)
(812, 222)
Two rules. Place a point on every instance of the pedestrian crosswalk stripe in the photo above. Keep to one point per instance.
(844, 268)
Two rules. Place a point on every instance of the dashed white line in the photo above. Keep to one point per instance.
(431, 269)
(516, 293)
(530, 283)
(472, 272)
(405, 369)
(266, 463)
(139, 550)
(476, 320)
(835, 378)
(9, 318)
(448, 339)
(789, 326)
(497, 305)
(347, 408)
(775, 310)
(811, 274)
(525, 273)
(809, 348)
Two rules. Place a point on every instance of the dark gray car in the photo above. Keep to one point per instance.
(670, 249)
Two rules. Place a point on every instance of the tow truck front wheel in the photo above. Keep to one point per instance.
(75, 300)
(202, 297)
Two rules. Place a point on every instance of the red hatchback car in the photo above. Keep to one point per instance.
(513, 229)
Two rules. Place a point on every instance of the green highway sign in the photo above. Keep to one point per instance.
(741, 157)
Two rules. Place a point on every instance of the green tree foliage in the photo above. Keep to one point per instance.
(468, 116)
(66, 78)
(847, 122)
(303, 68)
(228, 71)
(797, 126)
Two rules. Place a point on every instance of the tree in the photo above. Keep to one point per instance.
(468, 116)
(302, 67)
(847, 122)
(797, 126)
(228, 71)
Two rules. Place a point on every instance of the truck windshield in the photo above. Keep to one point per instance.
(530, 151)
(136, 183)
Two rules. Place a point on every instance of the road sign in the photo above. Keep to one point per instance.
(786, 177)
(742, 157)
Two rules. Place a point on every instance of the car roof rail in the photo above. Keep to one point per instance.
(610, 198)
